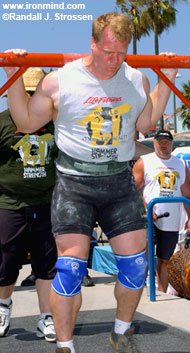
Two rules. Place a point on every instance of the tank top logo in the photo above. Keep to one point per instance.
(34, 153)
(97, 100)
(104, 125)
(168, 182)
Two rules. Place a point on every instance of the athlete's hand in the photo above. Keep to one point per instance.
(10, 71)
(170, 73)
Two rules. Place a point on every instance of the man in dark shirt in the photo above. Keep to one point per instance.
(27, 177)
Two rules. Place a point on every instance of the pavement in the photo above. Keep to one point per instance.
(162, 326)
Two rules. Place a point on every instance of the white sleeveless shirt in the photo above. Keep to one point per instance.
(163, 178)
(96, 118)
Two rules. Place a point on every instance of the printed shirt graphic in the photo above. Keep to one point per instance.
(163, 178)
(104, 126)
(27, 164)
(34, 151)
(168, 181)
(97, 118)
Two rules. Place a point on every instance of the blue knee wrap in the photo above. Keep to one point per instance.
(70, 272)
(132, 270)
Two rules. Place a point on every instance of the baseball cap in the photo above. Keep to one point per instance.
(31, 78)
(163, 134)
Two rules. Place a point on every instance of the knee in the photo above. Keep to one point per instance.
(70, 272)
(132, 270)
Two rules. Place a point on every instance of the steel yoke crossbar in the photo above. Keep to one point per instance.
(154, 62)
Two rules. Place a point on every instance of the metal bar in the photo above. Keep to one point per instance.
(155, 62)
(37, 59)
(34, 60)
(20, 71)
(57, 60)
(150, 236)
(172, 86)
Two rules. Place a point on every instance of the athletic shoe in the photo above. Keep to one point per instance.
(29, 281)
(5, 313)
(45, 329)
(87, 281)
(63, 350)
(124, 343)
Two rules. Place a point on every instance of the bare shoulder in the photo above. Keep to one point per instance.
(138, 173)
(48, 88)
(138, 166)
(49, 84)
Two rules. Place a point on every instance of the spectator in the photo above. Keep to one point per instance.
(96, 103)
(160, 174)
(27, 177)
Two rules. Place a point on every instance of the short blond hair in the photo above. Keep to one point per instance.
(118, 22)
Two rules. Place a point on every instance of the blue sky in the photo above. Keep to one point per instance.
(66, 36)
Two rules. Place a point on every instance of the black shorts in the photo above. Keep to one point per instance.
(114, 201)
(165, 243)
(24, 230)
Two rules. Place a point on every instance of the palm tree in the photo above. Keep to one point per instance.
(154, 15)
(160, 15)
(146, 15)
(133, 10)
(183, 111)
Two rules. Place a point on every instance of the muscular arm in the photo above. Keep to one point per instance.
(31, 114)
(138, 173)
(156, 101)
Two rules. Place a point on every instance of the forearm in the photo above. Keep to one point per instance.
(159, 98)
(18, 105)
(156, 103)
(32, 113)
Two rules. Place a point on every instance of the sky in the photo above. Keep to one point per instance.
(61, 33)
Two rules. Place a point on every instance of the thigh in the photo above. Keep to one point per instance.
(73, 209)
(123, 210)
(76, 245)
(114, 201)
(13, 244)
(129, 243)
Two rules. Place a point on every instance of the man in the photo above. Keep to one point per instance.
(95, 103)
(160, 174)
(27, 177)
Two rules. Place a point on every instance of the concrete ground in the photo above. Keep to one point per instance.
(161, 326)
(170, 309)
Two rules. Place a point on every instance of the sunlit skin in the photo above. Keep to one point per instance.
(107, 55)
(163, 148)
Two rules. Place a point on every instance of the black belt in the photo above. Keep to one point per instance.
(90, 168)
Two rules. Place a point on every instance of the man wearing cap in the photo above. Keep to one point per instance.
(160, 174)
(27, 177)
